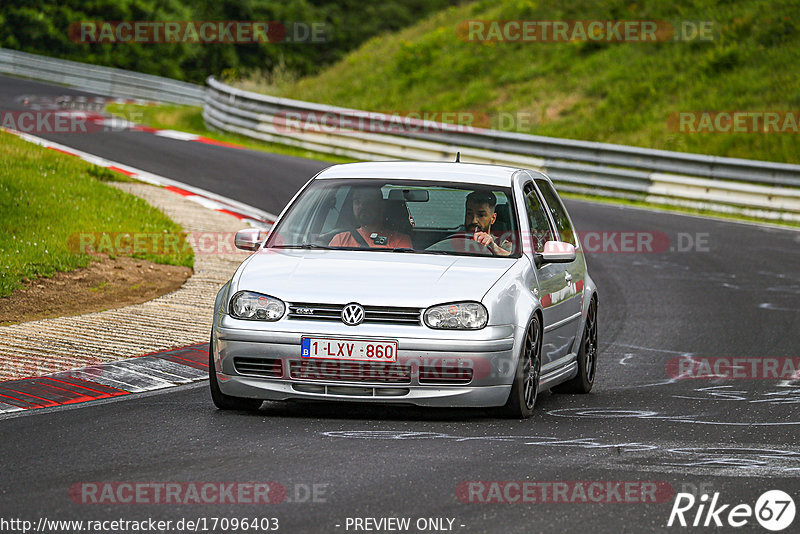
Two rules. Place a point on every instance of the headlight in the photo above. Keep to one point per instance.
(457, 316)
(257, 307)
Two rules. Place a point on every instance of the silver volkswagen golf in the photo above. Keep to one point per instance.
(434, 284)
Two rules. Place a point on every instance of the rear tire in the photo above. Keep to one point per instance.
(587, 357)
(525, 388)
(221, 400)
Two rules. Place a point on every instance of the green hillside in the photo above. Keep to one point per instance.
(600, 91)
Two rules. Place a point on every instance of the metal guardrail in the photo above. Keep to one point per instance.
(748, 187)
(102, 80)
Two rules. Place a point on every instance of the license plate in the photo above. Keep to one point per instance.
(348, 349)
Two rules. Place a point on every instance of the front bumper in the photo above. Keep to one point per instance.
(488, 354)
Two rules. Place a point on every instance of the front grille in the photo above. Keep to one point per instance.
(372, 314)
(340, 371)
(269, 367)
(352, 391)
(440, 374)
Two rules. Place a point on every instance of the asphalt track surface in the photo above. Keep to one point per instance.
(737, 295)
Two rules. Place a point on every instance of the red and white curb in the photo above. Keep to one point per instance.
(118, 124)
(150, 372)
(91, 110)
(184, 136)
(247, 214)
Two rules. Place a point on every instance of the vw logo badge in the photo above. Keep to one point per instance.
(352, 314)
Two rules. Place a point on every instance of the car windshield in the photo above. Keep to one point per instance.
(401, 216)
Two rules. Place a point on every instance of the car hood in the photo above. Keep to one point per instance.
(369, 278)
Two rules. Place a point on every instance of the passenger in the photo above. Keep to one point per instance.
(371, 231)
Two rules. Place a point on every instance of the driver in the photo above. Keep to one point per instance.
(479, 216)
(368, 210)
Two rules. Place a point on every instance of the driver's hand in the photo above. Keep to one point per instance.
(486, 239)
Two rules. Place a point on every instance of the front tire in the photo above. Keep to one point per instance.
(587, 357)
(525, 388)
(221, 400)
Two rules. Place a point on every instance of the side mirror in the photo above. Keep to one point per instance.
(556, 252)
(248, 239)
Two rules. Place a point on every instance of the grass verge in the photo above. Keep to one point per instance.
(48, 198)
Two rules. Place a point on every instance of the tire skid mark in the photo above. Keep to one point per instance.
(721, 459)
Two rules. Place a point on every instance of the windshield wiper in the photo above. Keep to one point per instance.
(414, 250)
(314, 246)
(306, 246)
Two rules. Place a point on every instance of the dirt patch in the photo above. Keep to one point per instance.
(557, 107)
(102, 285)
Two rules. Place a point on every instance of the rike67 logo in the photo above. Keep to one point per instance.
(774, 510)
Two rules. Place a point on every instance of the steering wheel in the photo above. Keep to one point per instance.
(450, 244)
(324, 239)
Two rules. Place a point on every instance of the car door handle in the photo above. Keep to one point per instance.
(568, 277)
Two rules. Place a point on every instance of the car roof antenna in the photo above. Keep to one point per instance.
(458, 157)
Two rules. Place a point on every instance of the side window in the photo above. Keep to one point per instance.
(563, 226)
(537, 217)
